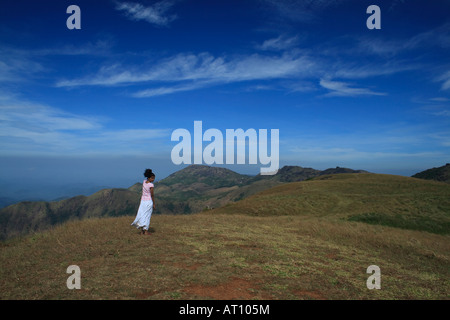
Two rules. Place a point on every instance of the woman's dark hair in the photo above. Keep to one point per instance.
(148, 173)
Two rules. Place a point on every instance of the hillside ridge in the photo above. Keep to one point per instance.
(390, 200)
(311, 239)
(189, 190)
(438, 173)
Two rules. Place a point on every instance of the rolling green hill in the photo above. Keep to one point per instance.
(200, 187)
(372, 198)
(438, 174)
(302, 240)
(190, 190)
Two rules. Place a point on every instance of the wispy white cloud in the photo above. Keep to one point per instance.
(280, 43)
(443, 113)
(160, 91)
(376, 161)
(346, 154)
(21, 65)
(303, 11)
(278, 58)
(17, 65)
(395, 3)
(438, 107)
(133, 136)
(97, 48)
(437, 37)
(36, 128)
(182, 67)
(351, 70)
(28, 128)
(440, 99)
(443, 137)
(186, 72)
(445, 79)
(338, 88)
(41, 118)
(189, 71)
(383, 147)
(155, 14)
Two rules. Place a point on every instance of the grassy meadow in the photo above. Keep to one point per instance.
(295, 241)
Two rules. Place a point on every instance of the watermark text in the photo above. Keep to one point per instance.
(255, 141)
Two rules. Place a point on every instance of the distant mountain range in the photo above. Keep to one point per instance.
(190, 190)
(438, 174)
(193, 189)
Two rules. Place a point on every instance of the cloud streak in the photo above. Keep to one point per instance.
(27, 128)
(438, 37)
(17, 65)
(278, 58)
(155, 14)
(186, 72)
(279, 44)
(302, 11)
(445, 79)
(342, 89)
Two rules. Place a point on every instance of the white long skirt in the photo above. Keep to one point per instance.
(143, 215)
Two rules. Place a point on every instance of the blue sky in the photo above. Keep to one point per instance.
(96, 106)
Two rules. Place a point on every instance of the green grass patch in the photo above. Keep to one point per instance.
(404, 221)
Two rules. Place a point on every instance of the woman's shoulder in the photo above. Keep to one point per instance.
(148, 184)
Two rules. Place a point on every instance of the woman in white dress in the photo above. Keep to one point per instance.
(147, 204)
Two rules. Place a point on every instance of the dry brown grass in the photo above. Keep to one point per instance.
(220, 256)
